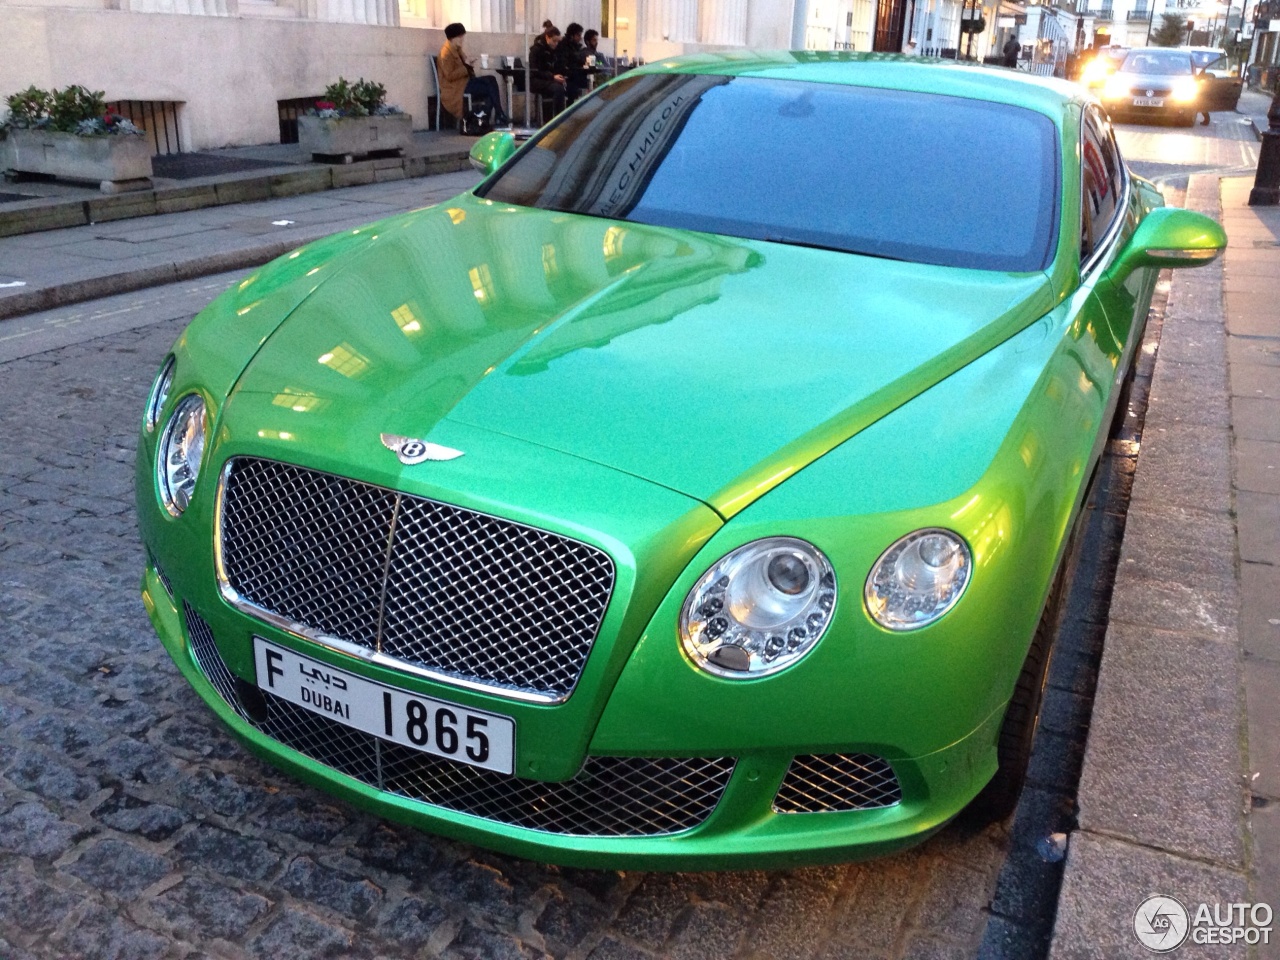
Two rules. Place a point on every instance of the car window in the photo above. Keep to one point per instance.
(1215, 59)
(879, 172)
(1101, 182)
(1157, 62)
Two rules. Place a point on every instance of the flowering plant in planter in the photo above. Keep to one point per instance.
(364, 98)
(74, 109)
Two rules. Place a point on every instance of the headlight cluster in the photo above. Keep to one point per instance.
(759, 609)
(763, 606)
(918, 579)
(180, 453)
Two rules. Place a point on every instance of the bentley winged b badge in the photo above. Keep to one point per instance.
(411, 450)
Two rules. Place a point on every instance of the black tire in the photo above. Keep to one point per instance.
(999, 798)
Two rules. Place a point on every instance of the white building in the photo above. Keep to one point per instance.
(211, 73)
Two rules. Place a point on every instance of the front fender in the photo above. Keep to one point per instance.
(1000, 452)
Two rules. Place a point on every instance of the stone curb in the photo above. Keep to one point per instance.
(92, 288)
(34, 216)
(1161, 796)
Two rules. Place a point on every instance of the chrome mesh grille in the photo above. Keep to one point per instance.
(457, 592)
(837, 781)
(209, 660)
(609, 797)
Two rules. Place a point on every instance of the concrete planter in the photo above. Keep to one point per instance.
(354, 136)
(120, 162)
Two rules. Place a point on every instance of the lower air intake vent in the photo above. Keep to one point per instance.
(837, 781)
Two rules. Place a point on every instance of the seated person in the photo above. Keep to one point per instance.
(570, 55)
(458, 79)
(544, 71)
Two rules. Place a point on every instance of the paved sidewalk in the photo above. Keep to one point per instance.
(1161, 802)
(1251, 292)
(213, 178)
(1194, 635)
(39, 271)
(1254, 105)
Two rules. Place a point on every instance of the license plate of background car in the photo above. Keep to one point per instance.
(1148, 101)
(422, 723)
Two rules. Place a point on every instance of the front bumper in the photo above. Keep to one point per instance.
(742, 830)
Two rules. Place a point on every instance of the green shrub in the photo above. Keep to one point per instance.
(74, 109)
(360, 99)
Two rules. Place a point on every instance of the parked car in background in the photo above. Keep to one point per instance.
(1154, 83)
(672, 499)
(1220, 86)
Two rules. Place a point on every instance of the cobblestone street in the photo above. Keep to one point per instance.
(132, 826)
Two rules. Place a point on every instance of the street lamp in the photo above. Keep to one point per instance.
(1266, 182)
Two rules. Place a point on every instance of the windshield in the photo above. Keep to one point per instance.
(1209, 58)
(1166, 63)
(909, 176)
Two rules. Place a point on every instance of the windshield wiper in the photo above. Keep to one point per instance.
(794, 242)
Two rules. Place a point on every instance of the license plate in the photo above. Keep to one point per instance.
(423, 723)
(1148, 101)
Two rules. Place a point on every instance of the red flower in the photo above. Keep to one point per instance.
(109, 118)
(323, 105)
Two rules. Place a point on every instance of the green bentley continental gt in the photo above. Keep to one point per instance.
(690, 494)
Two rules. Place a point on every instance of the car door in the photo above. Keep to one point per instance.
(1107, 312)
(1219, 89)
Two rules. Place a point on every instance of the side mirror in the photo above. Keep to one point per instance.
(1171, 237)
(491, 151)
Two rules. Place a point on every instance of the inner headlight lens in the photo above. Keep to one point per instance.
(918, 579)
(159, 394)
(180, 454)
(759, 609)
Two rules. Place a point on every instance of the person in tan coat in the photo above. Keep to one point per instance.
(458, 77)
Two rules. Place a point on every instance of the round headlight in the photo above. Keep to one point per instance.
(918, 579)
(158, 395)
(759, 609)
(180, 453)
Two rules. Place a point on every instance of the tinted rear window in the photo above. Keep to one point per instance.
(912, 176)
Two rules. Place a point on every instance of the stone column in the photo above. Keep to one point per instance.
(675, 21)
(478, 16)
(562, 13)
(723, 22)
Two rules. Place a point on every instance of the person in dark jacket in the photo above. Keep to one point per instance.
(570, 55)
(544, 69)
(1011, 50)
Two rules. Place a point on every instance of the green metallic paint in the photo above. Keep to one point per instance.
(649, 391)
(1171, 237)
(491, 151)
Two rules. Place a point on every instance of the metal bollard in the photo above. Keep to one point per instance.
(1266, 183)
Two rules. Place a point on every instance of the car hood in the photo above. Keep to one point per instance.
(712, 366)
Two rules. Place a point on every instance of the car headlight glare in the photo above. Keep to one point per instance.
(158, 395)
(1185, 89)
(759, 609)
(1116, 87)
(1097, 71)
(180, 454)
(918, 579)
